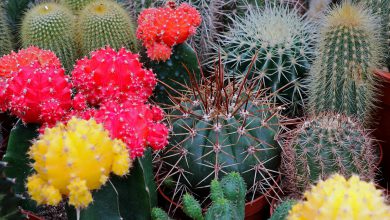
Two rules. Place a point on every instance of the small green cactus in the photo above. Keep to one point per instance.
(159, 214)
(75, 5)
(350, 48)
(280, 43)
(5, 33)
(326, 144)
(105, 22)
(281, 212)
(51, 26)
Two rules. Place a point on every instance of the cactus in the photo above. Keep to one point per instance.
(227, 196)
(281, 212)
(280, 42)
(340, 198)
(326, 144)
(5, 33)
(9, 201)
(342, 78)
(73, 159)
(105, 23)
(76, 5)
(51, 26)
(159, 214)
(221, 126)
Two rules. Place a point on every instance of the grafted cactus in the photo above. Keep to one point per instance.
(342, 78)
(218, 127)
(326, 144)
(280, 41)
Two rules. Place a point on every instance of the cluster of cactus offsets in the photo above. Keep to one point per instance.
(76, 5)
(51, 26)
(135, 123)
(342, 78)
(109, 75)
(281, 212)
(340, 198)
(325, 144)
(9, 201)
(221, 126)
(73, 159)
(105, 22)
(280, 41)
(38, 91)
(227, 196)
(160, 29)
(5, 33)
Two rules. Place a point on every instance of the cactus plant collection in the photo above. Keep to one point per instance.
(219, 106)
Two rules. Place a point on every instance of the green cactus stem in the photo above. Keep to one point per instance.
(5, 33)
(281, 212)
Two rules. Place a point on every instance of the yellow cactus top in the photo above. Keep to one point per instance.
(338, 198)
(73, 159)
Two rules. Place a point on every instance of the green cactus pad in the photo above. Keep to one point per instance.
(103, 23)
(326, 144)
(50, 26)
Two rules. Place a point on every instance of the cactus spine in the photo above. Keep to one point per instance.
(228, 200)
(103, 23)
(5, 33)
(220, 126)
(340, 198)
(280, 42)
(76, 5)
(342, 77)
(326, 144)
(51, 26)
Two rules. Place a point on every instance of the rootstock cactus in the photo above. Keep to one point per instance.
(326, 144)
(218, 127)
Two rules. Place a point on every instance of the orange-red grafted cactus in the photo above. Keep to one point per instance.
(162, 28)
(112, 75)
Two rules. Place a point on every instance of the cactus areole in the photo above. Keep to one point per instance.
(219, 127)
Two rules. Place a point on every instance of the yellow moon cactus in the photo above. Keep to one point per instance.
(338, 198)
(74, 159)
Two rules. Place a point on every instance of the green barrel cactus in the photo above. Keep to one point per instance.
(221, 126)
(281, 212)
(9, 201)
(350, 48)
(51, 26)
(326, 144)
(279, 41)
(5, 33)
(105, 22)
(76, 5)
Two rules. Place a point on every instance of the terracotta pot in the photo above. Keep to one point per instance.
(254, 210)
(382, 123)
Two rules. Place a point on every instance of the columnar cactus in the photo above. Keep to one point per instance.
(162, 28)
(105, 23)
(9, 201)
(221, 126)
(5, 33)
(280, 41)
(326, 144)
(228, 200)
(340, 198)
(281, 212)
(72, 160)
(51, 26)
(342, 78)
(76, 5)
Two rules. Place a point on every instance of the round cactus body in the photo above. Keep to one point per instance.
(340, 198)
(50, 26)
(5, 33)
(326, 144)
(76, 5)
(218, 128)
(105, 23)
(73, 159)
(342, 78)
(279, 43)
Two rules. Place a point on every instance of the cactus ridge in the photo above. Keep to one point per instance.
(342, 78)
(326, 144)
(50, 26)
(104, 22)
(281, 43)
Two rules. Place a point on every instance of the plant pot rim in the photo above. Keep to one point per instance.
(254, 203)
